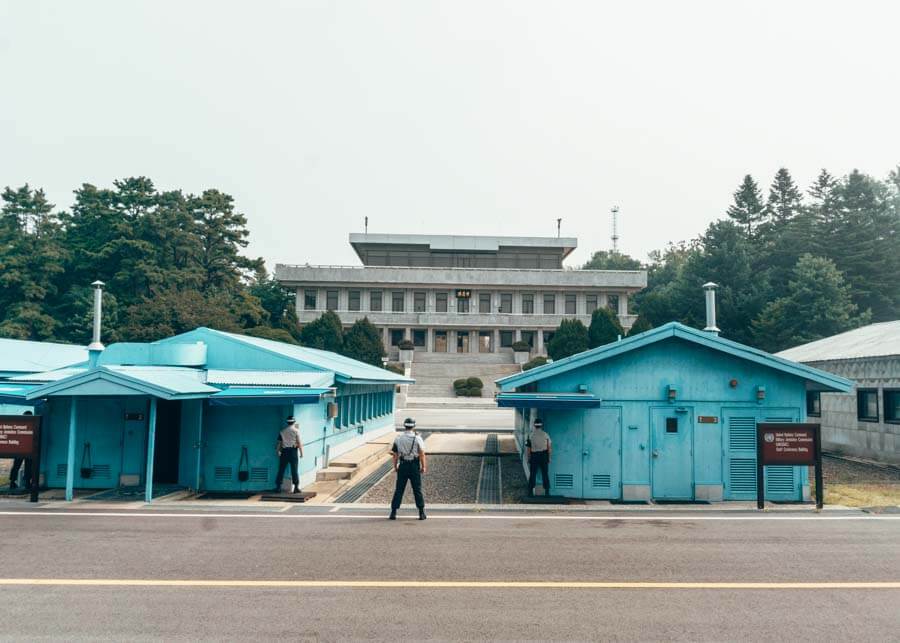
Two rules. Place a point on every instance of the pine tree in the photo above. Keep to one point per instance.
(325, 333)
(818, 304)
(362, 341)
(785, 199)
(571, 337)
(748, 210)
(604, 328)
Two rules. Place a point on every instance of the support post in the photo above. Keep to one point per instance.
(151, 448)
(199, 444)
(70, 456)
(820, 483)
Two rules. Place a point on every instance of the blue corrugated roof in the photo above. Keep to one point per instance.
(673, 329)
(345, 368)
(270, 378)
(22, 356)
(159, 381)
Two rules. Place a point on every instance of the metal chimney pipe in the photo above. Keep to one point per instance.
(96, 344)
(710, 289)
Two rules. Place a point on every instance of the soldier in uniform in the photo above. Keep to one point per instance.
(539, 449)
(290, 450)
(409, 463)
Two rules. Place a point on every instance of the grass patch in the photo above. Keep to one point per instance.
(863, 495)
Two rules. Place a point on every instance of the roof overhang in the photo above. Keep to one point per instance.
(103, 382)
(15, 393)
(268, 396)
(547, 400)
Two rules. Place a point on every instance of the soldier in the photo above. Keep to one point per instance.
(409, 464)
(290, 450)
(539, 449)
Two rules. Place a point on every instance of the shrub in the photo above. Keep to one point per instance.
(473, 392)
(605, 328)
(460, 383)
(641, 325)
(395, 368)
(406, 345)
(571, 337)
(521, 346)
(474, 382)
(540, 360)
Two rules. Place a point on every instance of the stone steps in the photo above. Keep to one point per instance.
(421, 357)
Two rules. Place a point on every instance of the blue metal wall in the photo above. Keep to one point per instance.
(617, 441)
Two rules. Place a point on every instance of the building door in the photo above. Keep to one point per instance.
(485, 341)
(440, 341)
(671, 453)
(601, 454)
(168, 441)
(462, 341)
(566, 463)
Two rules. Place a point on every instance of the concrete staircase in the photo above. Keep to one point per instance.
(435, 372)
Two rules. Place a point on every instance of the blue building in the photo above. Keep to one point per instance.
(202, 410)
(22, 357)
(669, 414)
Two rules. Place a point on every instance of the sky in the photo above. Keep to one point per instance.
(458, 117)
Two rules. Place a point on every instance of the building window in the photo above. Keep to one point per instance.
(548, 335)
(418, 302)
(462, 305)
(528, 337)
(590, 304)
(892, 406)
(505, 302)
(549, 303)
(814, 404)
(484, 302)
(397, 301)
(612, 302)
(396, 336)
(375, 300)
(331, 299)
(570, 303)
(419, 338)
(353, 302)
(309, 300)
(528, 304)
(506, 339)
(671, 425)
(867, 405)
(440, 302)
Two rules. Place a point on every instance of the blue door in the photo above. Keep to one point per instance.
(601, 454)
(566, 468)
(671, 453)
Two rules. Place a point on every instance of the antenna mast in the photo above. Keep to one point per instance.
(615, 228)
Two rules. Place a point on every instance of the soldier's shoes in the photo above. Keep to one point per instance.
(13, 486)
(393, 516)
(422, 515)
(296, 489)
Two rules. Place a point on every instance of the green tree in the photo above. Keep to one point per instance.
(279, 303)
(785, 199)
(607, 260)
(571, 337)
(604, 328)
(325, 333)
(640, 325)
(748, 209)
(31, 258)
(267, 332)
(818, 304)
(362, 341)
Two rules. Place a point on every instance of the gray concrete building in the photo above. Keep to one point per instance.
(865, 422)
(461, 294)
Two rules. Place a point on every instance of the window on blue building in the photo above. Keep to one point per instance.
(814, 404)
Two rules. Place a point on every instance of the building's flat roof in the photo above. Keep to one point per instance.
(463, 243)
(23, 356)
(874, 340)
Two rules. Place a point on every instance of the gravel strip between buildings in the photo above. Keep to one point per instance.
(451, 479)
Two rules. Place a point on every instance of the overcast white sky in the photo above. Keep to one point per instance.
(448, 117)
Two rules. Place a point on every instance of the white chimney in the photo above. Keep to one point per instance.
(710, 289)
(96, 346)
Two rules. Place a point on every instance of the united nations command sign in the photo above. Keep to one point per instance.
(788, 444)
(20, 438)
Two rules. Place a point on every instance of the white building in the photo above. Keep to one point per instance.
(461, 294)
(866, 421)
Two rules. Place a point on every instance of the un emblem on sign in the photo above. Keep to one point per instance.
(769, 437)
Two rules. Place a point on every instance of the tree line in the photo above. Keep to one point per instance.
(792, 266)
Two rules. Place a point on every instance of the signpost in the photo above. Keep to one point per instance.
(20, 437)
(788, 444)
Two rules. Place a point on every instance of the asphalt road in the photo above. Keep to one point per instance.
(349, 546)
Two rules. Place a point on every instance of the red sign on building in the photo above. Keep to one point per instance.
(18, 434)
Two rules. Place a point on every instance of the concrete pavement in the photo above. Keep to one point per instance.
(347, 546)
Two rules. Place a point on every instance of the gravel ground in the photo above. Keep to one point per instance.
(450, 479)
(515, 484)
(838, 471)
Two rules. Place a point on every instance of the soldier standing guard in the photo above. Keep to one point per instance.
(539, 449)
(408, 452)
(289, 449)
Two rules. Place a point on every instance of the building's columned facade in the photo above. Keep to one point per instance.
(461, 294)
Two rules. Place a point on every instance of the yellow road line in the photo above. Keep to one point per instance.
(412, 584)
